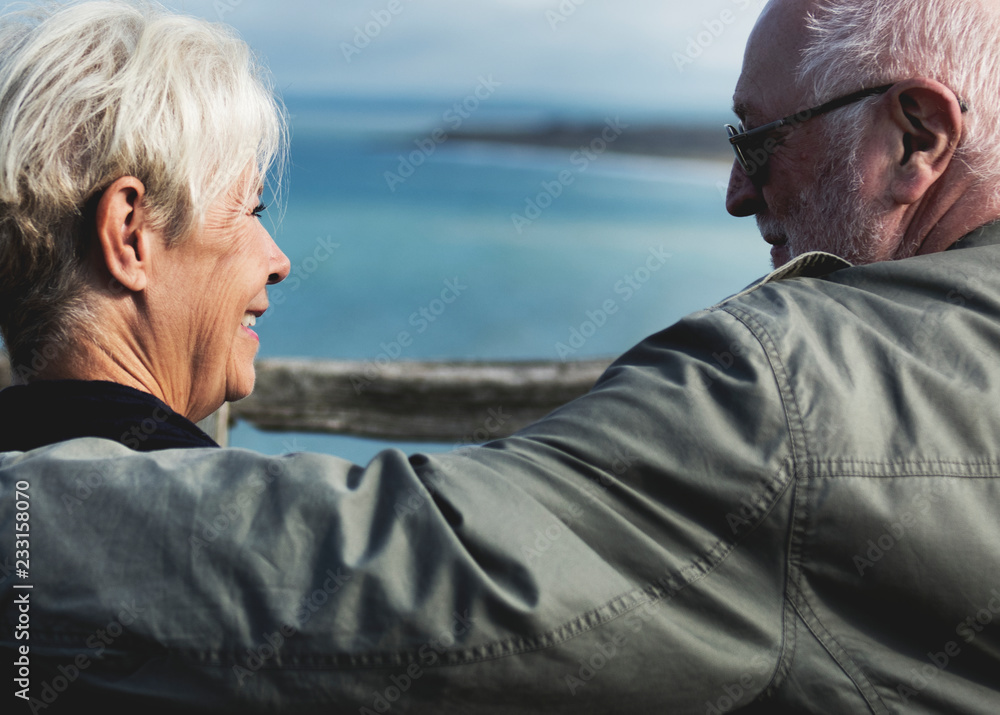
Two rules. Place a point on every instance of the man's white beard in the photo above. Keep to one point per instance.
(832, 216)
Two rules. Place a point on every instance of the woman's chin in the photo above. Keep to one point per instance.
(240, 372)
(240, 383)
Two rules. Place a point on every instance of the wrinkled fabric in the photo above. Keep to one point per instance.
(786, 503)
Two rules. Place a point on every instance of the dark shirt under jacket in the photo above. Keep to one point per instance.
(47, 412)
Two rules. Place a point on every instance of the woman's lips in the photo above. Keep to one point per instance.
(249, 320)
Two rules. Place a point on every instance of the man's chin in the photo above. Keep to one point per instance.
(780, 255)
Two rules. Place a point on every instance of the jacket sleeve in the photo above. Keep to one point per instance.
(625, 554)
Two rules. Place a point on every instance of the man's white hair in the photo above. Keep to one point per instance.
(861, 43)
(91, 92)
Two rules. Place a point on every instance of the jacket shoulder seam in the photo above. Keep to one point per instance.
(799, 456)
(839, 654)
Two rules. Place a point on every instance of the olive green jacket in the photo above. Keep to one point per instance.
(788, 503)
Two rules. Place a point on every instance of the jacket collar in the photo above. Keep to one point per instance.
(818, 264)
(46, 412)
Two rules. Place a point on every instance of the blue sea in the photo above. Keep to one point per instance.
(483, 251)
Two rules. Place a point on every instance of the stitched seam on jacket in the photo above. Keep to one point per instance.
(793, 415)
(800, 603)
(811, 620)
(287, 657)
(660, 590)
(796, 435)
(852, 468)
(843, 659)
(800, 518)
(788, 621)
(797, 536)
(664, 589)
(804, 468)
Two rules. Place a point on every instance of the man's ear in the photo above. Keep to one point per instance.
(925, 121)
(123, 233)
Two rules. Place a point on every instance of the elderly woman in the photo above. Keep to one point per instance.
(718, 524)
(132, 261)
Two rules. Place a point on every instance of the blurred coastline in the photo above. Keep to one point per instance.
(679, 141)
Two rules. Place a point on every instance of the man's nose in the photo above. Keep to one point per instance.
(744, 197)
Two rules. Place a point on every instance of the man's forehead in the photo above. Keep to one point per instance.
(766, 85)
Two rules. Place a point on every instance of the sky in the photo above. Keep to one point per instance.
(662, 56)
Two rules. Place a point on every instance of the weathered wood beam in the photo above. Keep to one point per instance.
(216, 425)
(414, 401)
(418, 401)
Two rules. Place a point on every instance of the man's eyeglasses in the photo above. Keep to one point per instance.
(754, 147)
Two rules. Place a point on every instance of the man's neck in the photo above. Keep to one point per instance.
(955, 208)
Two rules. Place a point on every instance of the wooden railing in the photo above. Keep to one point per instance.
(412, 401)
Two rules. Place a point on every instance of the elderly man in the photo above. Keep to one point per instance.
(783, 504)
(886, 176)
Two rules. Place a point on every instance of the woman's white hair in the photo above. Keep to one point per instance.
(861, 43)
(91, 92)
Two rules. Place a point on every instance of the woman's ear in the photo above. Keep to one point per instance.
(123, 233)
(925, 124)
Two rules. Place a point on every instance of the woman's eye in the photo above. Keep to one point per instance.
(261, 208)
